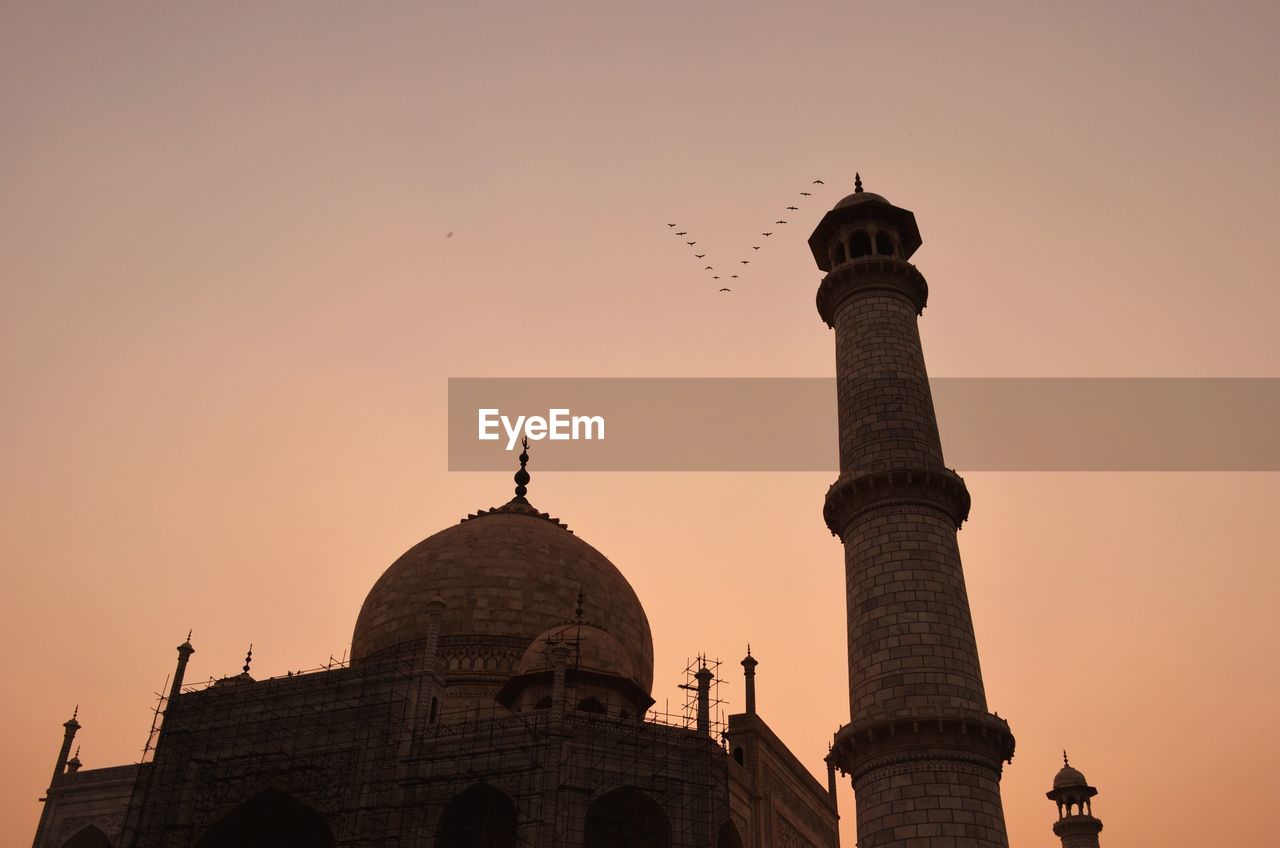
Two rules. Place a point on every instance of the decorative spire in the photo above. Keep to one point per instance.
(522, 476)
(1064, 758)
(189, 632)
(248, 658)
(75, 712)
(857, 183)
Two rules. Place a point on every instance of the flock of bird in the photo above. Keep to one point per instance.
(715, 273)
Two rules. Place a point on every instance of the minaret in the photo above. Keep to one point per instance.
(70, 726)
(1076, 826)
(749, 674)
(924, 755)
(69, 729)
(179, 674)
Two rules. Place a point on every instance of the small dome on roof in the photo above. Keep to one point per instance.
(859, 197)
(1069, 778)
(591, 648)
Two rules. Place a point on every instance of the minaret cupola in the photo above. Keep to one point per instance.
(863, 226)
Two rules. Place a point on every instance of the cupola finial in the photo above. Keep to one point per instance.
(522, 476)
(857, 183)
(248, 658)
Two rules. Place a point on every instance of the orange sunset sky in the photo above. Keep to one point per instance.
(229, 307)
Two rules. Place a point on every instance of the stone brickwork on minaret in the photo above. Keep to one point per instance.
(924, 755)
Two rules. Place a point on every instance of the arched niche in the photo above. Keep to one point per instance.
(88, 837)
(626, 818)
(478, 817)
(270, 819)
(728, 836)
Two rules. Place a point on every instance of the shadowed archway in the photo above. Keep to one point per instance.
(270, 819)
(626, 818)
(479, 817)
(88, 837)
(728, 837)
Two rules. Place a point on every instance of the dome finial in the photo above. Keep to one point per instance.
(857, 183)
(522, 476)
(1064, 757)
(248, 658)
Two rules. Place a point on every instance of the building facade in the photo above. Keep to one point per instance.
(498, 695)
(498, 692)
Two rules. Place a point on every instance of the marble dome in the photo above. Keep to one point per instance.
(510, 574)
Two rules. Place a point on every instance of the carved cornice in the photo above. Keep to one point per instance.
(855, 494)
(957, 740)
(862, 275)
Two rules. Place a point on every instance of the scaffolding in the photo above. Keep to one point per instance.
(356, 743)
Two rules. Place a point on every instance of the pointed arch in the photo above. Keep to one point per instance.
(88, 837)
(728, 837)
(626, 818)
(859, 244)
(591, 704)
(270, 819)
(479, 817)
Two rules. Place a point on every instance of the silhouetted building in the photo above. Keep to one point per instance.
(497, 696)
(1076, 826)
(498, 692)
(924, 754)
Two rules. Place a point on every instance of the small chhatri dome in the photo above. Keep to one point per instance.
(591, 648)
(506, 576)
(1068, 777)
(858, 196)
(858, 211)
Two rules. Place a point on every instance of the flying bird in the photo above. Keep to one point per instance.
(793, 208)
(691, 243)
(699, 255)
(715, 277)
(670, 225)
(708, 268)
(733, 276)
(728, 290)
(755, 247)
(766, 235)
(746, 261)
(682, 234)
(806, 194)
(779, 222)
(818, 182)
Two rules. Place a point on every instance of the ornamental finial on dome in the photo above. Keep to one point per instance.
(857, 183)
(248, 658)
(1064, 757)
(522, 476)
